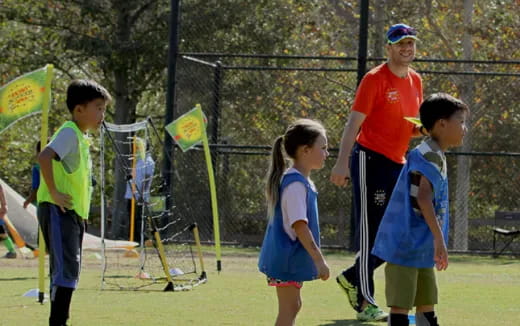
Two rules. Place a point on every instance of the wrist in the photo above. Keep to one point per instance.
(318, 260)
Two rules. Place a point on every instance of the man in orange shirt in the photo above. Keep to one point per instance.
(372, 153)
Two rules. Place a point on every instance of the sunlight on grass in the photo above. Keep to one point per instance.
(474, 291)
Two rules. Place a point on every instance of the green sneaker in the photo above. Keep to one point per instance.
(372, 313)
(350, 290)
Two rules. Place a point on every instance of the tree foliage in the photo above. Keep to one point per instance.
(123, 45)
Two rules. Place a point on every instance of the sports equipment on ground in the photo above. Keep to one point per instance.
(167, 245)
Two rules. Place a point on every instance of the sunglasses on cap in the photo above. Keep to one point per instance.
(401, 32)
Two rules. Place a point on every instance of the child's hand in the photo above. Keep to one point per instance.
(25, 204)
(440, 255)
(62, 200)
(323, 270)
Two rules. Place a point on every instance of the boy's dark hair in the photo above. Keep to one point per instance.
(82, 91)
(439, 106)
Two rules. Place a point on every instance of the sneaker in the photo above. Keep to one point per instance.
(350, 290)
(372, 313)
(10, 255)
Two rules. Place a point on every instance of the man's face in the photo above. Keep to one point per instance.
(402, 52)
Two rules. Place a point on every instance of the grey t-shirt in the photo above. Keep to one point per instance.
(66, 147)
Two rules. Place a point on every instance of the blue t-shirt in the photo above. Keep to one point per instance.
(144, 170)
(35, 176)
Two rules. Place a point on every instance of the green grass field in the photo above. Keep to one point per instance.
(473, 291)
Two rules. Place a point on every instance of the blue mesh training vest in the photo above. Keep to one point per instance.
(281, 257)
(403, 237)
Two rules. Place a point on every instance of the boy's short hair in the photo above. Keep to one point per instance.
(82, 91)
(439, 106)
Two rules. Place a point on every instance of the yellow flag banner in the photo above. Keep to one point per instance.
(23, 97)
(415, 121)
(188, 129)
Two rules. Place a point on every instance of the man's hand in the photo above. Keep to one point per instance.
(340, 175)
(62, 200)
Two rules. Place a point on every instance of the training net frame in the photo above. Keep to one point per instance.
(168, 255)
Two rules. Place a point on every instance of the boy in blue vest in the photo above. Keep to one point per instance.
(64, 193)
(413, 234)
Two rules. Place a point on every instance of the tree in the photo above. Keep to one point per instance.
(120, 43)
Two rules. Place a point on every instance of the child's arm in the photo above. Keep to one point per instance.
(3, 203)
(45, 159)
(31, 198)
(425, 202)
(305, 236)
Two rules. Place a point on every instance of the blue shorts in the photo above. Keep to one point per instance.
(63, 234)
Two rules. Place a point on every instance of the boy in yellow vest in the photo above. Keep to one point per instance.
(64, 194)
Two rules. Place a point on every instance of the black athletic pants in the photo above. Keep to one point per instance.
(373, 178)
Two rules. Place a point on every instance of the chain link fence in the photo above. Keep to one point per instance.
(249, 100)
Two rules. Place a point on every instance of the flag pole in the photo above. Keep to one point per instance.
(43, 141)
(213, 192)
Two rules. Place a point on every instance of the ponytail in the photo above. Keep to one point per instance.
(274, 175)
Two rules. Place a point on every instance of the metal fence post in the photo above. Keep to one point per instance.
(363, 40)
(214, 123)
(361, 70)
(170, 113)
(215, 112)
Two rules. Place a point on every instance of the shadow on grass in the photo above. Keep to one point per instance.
(347, 322)
(18, 278)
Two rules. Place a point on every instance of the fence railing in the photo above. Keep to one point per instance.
(250, 99)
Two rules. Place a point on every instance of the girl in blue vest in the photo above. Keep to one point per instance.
(290, 251)
(413, 233)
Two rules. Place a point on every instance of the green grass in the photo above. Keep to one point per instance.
(473, 291)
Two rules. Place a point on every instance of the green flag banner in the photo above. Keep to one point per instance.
(23, 97)
(188, 129)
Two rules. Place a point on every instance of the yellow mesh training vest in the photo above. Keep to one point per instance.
(76, 184)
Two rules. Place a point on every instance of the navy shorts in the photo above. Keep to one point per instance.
(63, 234)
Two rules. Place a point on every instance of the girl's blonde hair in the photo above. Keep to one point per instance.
(302, 132)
